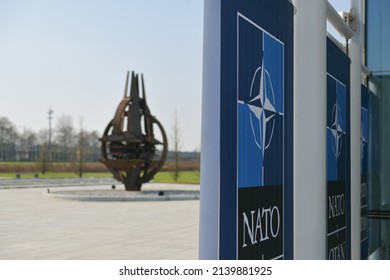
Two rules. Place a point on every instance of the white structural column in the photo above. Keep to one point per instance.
(210, 154)
(310, 129)
(354, 54)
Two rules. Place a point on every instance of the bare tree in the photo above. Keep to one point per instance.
(27, 143)
(176, 140)
(8, 138)
(8, 133)
(65, 134)
(92, 139)
(92, 146)
(43, 141)
(50, 131)
(80, 150)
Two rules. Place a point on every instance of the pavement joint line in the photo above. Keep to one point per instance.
(108, 195)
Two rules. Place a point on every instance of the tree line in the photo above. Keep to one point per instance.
(63, 143)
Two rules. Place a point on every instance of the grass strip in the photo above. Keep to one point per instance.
(185, 177)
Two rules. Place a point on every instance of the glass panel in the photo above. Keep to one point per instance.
(378, 61)
(378, 39)
(374, 174)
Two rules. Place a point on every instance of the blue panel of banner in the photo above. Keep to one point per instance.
(338, 154)
(256, 197)
(364, 142)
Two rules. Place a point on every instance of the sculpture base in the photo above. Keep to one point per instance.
(153, 192)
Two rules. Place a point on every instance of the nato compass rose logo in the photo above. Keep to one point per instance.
(263, 112)
(260, 104)
(337, 131)
(363, 142)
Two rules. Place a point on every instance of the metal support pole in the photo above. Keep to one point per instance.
(310, 129)
(354, 54)
(357, 68)
(210, 154)
(338, 22)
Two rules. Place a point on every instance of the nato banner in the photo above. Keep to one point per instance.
(247, 130)
(364, 175)
(338, 154)
(260, 120)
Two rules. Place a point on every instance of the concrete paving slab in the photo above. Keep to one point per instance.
(34, 226)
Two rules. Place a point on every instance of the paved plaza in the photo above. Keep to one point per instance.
(36, 225)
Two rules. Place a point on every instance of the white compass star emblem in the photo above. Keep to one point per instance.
(337, 130)
(261, 105)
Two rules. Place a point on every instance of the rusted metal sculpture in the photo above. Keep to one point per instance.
(129, 150)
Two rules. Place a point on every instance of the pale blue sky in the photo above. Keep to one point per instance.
(73, 56)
